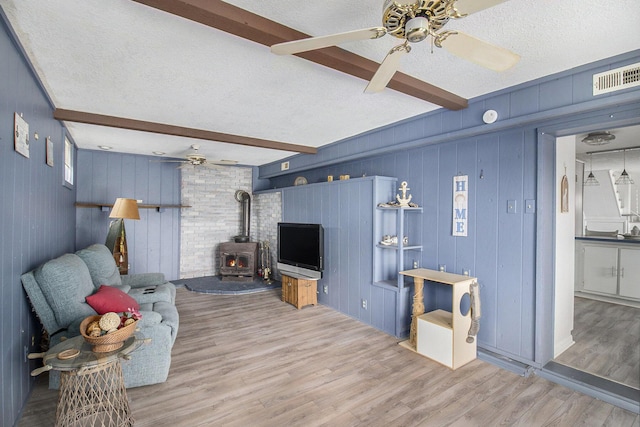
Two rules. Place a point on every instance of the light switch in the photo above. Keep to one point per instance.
(512, 206)
(530, 206)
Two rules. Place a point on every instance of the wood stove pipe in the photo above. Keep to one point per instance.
(244, 198)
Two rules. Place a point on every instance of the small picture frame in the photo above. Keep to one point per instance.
(21, 135)
(49, 144)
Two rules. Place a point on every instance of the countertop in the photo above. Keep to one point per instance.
(619, 240)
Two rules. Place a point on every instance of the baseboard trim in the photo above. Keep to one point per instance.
(505, 362)
(608, 391)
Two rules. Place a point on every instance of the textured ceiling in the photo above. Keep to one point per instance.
(124, 59)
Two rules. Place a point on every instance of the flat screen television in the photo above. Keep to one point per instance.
(301, 249)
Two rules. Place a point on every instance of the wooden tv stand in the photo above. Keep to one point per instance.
(299, 290)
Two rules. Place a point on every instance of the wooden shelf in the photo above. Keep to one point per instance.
(102, 206)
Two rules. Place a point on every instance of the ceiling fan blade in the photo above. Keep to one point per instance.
(313, 43)
(467, 7)
(222, 162)
(479, 52)
(387, 69)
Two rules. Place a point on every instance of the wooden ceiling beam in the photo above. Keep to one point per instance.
(143, 126)
(242, 23)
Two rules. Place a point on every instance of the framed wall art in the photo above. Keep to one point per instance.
(49, 144)
(21, 135)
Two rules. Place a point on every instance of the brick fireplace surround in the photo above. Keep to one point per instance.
(214, 217)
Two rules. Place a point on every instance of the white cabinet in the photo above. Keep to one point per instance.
(629, 273)
(601, 269)
(609, 268)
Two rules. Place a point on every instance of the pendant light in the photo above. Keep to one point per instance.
(624, 178)
(591, 179)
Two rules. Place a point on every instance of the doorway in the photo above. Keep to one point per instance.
(596, 332)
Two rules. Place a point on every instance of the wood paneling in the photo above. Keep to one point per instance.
(37, 218)
(345, 209)
(154, 240)
(499, 248)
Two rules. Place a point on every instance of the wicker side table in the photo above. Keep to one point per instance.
(92, 391)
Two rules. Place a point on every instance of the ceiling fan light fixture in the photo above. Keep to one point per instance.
(417, 29)
(598, 138)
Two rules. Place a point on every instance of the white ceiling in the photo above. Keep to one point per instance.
(621, 152)
(124, 59)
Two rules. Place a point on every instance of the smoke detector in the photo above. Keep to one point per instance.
(598, 138)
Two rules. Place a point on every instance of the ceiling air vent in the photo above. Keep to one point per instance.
(618, 79)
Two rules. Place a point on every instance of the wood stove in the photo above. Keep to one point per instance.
(238, 261)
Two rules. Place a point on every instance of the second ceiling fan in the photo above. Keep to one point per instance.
(415, 21)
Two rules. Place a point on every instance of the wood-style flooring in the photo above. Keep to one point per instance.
(252, 360)
(607, 341)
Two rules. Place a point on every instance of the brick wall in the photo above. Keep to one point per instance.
(268, 212)
(215, 216)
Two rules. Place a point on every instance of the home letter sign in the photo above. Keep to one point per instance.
(460, 214)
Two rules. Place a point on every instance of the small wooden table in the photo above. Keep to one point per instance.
(299, 290)
(92, 390)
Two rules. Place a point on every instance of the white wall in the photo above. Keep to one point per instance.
(564, 247)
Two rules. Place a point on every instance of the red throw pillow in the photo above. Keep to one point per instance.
(108, 298)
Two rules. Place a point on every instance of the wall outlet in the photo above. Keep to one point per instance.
(325, 289)
(284, 166)
(466, 272)
(442, 267)
(416, 264)
(364, 304)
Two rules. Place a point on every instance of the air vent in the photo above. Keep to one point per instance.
(618, 79)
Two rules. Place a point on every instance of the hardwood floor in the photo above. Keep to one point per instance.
(607, 341)
(252, 360)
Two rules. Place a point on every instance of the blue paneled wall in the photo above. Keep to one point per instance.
(153, 241)
(510, 252)
(37, 218)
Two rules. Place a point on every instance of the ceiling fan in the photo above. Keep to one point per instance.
(196, 159)
(414, 21)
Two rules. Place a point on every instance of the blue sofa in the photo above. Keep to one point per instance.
(57, 291)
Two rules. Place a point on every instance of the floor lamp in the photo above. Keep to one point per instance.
(117, 237)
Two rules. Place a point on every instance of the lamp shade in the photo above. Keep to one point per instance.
(125, 208)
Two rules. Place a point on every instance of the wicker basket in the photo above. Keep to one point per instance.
(108, 342)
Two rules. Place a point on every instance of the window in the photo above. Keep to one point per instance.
(68, 163)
